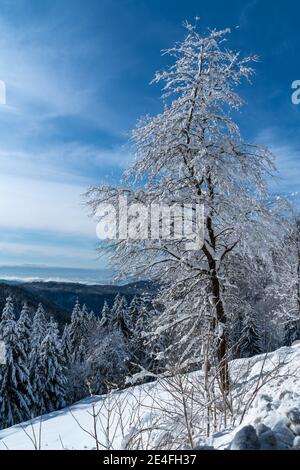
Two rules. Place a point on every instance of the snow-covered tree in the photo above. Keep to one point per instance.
(134, 309)
(108, 362)
(38, 333)
(24, 326)
(284, 290)
(82, 326)
(76, 330)
(89, 322)
(39, 327)
(66, 345)
(104, 316)
(291, 332)
(109, 351)
(51, 372)
(250, 342)
(193, 154)
(144, 348)
(15, 390)
(119, 317)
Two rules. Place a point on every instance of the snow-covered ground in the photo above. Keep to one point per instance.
(267, 394)
(272, 400)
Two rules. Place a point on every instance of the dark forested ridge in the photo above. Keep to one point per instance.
(20, 295)
(59, 298)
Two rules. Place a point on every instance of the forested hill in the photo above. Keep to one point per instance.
(20, 295)
(58, 298)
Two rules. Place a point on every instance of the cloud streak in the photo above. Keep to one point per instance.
(31, 204)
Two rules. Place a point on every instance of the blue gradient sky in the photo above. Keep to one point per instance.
(77, 77)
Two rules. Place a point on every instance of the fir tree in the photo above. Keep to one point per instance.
(134, 309)
(83, 325)
(24, 326)
(66, 345)
(119, 318)
(15, 391)
(250, 344)
(104, 316)
(39, 331)
(52, 371)
(89, 322)
(39, 326)
(78, 331)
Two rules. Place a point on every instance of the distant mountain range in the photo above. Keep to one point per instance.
(58, 298)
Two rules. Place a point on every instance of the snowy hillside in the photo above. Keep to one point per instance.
(266, 393)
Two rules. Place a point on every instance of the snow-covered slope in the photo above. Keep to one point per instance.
(272, 400)
(267, 393)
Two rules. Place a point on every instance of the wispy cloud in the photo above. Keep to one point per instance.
(71, 256)
(287, 160)
(73, 162)
(243, 19)
(31, 204)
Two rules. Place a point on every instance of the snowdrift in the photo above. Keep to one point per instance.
(267, 396)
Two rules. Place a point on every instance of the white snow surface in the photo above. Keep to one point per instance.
(278, 391)
(265, 398)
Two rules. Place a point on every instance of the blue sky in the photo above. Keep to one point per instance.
(77, 76)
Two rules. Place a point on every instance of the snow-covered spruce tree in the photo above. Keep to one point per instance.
(134, 309)
(66, 345)
(89, 322)
(109, 351)
(52, 372)
(119, 317)
(250, 344)
(75, 329)
(143, 347)
(192, 153)
(38, 333)
(108, 361)
(104, 316)
(15, 390)
(83, 324)
(24, 327)
(39, 328)
(81, 330)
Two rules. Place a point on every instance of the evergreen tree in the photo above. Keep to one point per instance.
(39, 331)
(52, 371)
(105, 316)
(66, 345)
(109, 355)
(82, 351)
(82, 327)
(134, 309)
(39, 326)
(250, 344)
(119, 318)
(15, 391)
(143, 346)
(78, 331)
(108, 362)
(89, 323)
(24, 326)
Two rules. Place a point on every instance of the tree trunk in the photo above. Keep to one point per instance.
(222, 341)
(219, 318)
